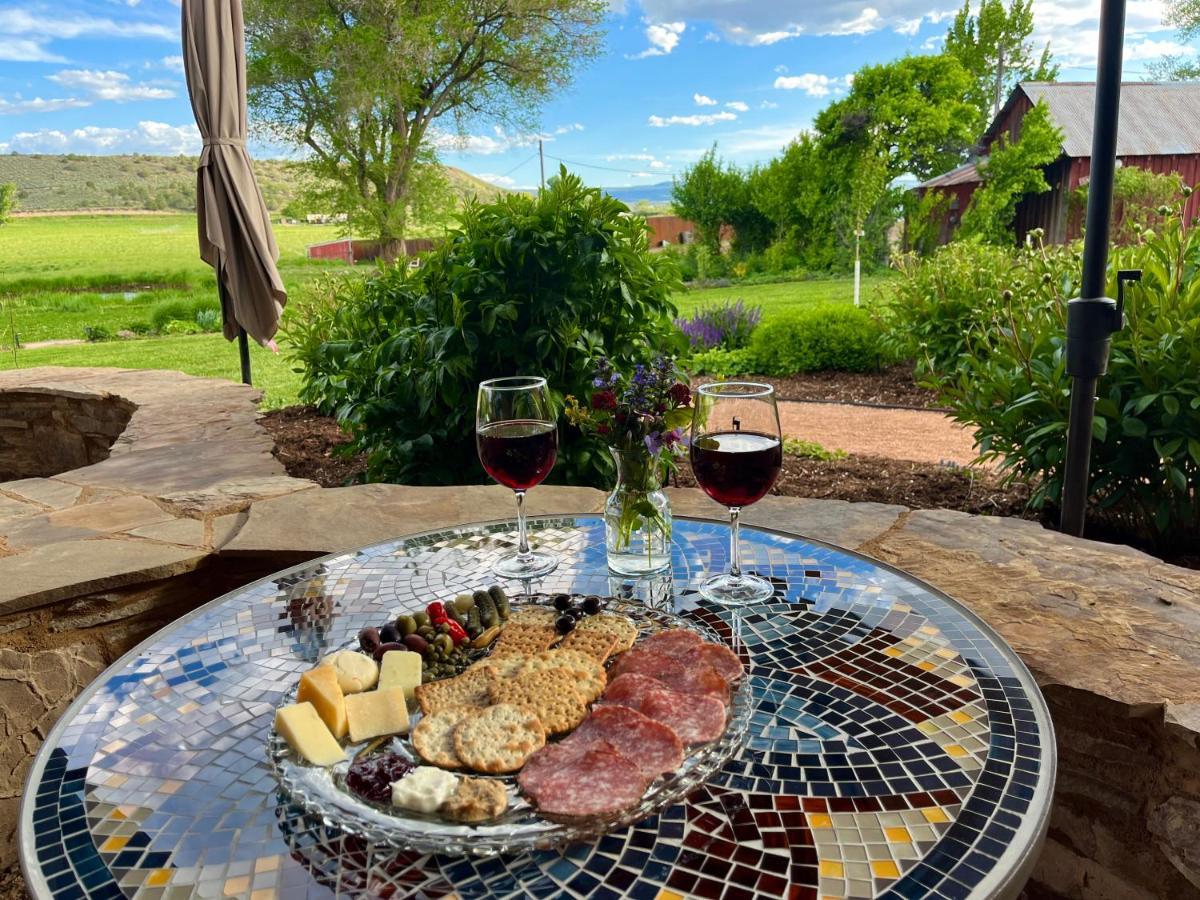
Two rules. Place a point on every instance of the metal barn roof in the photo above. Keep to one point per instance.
(1157, 118)
(967, 173)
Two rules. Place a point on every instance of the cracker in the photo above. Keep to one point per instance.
(499, 739)
(533, 615)
(524, 638)
(475, 800)
(550, 693)
(587, 672)
(594, 642)
(468, 689)
(624, 629)
(505, 665)
(433, 736)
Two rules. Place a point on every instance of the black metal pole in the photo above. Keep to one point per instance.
(1092, 318)
(243, 341)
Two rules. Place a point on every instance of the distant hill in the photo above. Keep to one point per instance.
(655, 194)
(72, 182)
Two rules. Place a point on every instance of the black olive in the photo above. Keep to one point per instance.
(389, 634)
(562, 602)
(591, 604)
(386, 648)
(369, 639)
(565, 624)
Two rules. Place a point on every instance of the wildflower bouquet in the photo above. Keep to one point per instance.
(643, 418)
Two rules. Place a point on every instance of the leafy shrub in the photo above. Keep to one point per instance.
(208, 320)
(179, 326)
(816, 338)
(726, 325)
(139, 327)
(95, 333)
(927, 310)
(724, 363)
(180, 309)
(524, 285)
(811, 450)
(710, 264)
(1012, 386)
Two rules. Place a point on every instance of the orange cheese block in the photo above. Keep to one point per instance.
(303, 729)
(376, 713)
(320, 688)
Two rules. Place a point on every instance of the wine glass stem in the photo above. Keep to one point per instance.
(522, 533)
(735, 553)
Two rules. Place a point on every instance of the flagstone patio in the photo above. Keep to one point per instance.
(190, 502)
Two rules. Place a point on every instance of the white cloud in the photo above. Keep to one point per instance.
(812, 84)
(663, 38)
(1149, 49)
(694, 120)
(774, 37)
(910, 28)
(640, 157)
(147, 137)
(768, 139)
(701, 100)
(712, 36)
(781, 69)
(51, 24)
(567, 129)
(1072, 29)
(499, 141)
(499, 180)
(13, 49)
(866, 22)
(37, 104)
(174, 63)
(658, 164)
(737, 106)
(768, 104)
(109, 85)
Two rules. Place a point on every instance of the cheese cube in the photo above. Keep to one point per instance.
(376, 713)
(320, 688)
(401, 669)
(355, 671)
(303, 729)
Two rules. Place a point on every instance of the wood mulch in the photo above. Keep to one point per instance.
(893, 386)
(307, 443)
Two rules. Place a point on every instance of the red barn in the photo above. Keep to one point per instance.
(1159, 131)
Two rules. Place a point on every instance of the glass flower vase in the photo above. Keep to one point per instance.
(637, 517)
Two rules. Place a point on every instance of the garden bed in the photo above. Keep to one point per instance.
(893, 386)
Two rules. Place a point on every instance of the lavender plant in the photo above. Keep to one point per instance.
(726, 325)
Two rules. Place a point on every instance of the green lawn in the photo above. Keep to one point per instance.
(779, 298)
(207, 355)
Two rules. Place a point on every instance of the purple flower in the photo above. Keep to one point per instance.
(654, 442)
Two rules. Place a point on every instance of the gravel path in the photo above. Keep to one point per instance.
(917, 435)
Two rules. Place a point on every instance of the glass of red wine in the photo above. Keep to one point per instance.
(737, 452)
(517, 440)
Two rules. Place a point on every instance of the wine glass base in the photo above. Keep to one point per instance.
(739, 590)
(534, 564)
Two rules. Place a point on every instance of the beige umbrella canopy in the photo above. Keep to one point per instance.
(235, 229)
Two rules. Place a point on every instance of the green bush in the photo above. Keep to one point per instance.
(180, 309)
(139, 327)
(94, 333)
(1012, 387)
(179, 326)
(724, 363)
(817, 338)
(524, 285)
(208, 320)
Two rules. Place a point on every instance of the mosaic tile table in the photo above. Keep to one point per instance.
(898, 749)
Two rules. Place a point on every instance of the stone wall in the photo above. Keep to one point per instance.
(44, 433)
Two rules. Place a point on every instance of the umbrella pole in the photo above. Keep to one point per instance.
(244, 353)
(1092, 318)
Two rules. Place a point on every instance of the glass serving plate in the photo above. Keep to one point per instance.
(321, 791)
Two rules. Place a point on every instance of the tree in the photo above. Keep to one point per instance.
(366, 85)
(994, 46)
(1184, 15)
(1012, 171)
(8, 201)
(709, 193)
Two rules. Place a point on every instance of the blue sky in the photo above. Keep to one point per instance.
(104, 76)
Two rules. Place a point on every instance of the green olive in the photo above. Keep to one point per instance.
(463, 603)
(421, 618)
(407, 625)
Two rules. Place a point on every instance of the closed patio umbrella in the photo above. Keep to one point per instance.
(235, 229)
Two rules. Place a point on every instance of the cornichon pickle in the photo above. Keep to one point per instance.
(487, 609)
(474, 624)
(500, 599)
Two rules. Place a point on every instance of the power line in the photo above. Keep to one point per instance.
(570, 162)
(521, 163)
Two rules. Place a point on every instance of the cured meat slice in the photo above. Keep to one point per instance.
(676, 642)
(719, 657)
(547, 760)
(599, 781)
(695, 718)
(691, 677)
(653, 747)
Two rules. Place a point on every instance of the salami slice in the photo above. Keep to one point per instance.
(719, 657)
(695, 718)
(691, 677)
(546, 761)
(675, 642)
(650, 745)
(599, 781)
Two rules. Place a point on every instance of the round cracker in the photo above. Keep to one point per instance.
(587, 673)
(433, 736)
(620, 626)
(550, 693)
(499, 739)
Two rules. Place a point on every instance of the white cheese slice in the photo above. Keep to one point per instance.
(401, 669)
(424, 789)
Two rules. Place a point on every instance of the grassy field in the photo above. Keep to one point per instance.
(59, 274)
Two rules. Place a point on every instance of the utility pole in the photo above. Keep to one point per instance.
(999, 84)
(542, 162)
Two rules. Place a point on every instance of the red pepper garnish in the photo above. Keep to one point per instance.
(457, 634)
(436, 612)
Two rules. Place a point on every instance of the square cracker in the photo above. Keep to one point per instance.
(550, 693)
(522, 638)
(594, 642)
(468, 689)
(620, 626)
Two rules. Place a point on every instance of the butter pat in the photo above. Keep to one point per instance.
(356, 672)
(320, 688)
(401, 669)
(304, 731)
(376, 713)
(424, 789)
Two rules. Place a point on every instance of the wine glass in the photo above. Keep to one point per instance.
(517, 440)
(736, 452)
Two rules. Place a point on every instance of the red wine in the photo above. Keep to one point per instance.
(736, 468)
(518, 454)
